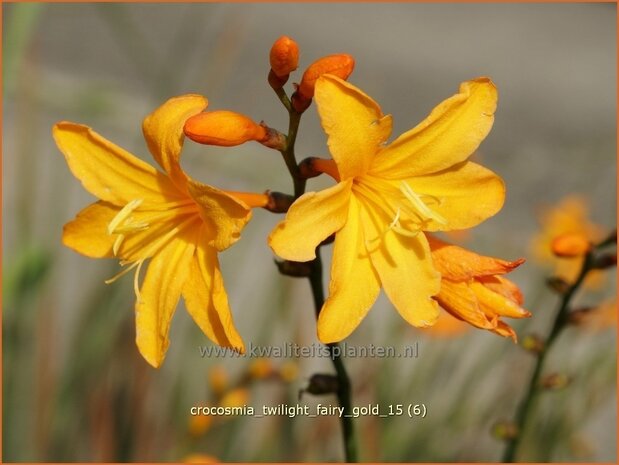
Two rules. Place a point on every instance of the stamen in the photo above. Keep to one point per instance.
(117, 243)
(136, 282)
(122, 215)
(414, 198)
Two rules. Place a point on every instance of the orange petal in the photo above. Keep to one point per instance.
(206, 298)
(159, 296)
(354, 123)
(163, 131)
(87, 233)
(504, 287)
(354, 284)
(224, 215)
(311, 219)
(449, 135)
(459, 264)
(404, 265)
(493, 303)
(108, 171)
(459, 300)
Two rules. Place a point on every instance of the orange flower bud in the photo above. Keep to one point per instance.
(338, 65)
(570, 245)
(284, 56)
(223, 128)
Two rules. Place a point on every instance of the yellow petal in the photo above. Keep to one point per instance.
(354, 284)
(464, 195)
(108, 171)
(459, 264)
(449, 135)
(159, 296)
(503, 286)
(459, 300)
(493, 303)
(311, 219)
(354, 123)
(163, 131)
(404, 265)
(87, 233)
(224, 215)
(207, 301)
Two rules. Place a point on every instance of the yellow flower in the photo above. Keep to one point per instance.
(473, 290)
(386, 196)
(176, 222)
(569, 216)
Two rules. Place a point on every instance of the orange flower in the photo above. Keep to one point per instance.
(473, 290)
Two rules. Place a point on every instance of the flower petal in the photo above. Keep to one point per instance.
(207, 301)
(163, 131)
(224, 215)
(159, 296)
(449, 135)
(404, 265)
(354, 284)
(87, 233)
(493, 303)
(108, 171)
(459, 300)
(459, 264)
(464, 195)
(354, 123)
(504, 286)
(311, 219)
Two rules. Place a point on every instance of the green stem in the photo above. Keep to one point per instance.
(343, 381)
(525, 408)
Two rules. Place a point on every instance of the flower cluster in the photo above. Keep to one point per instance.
(386, 198)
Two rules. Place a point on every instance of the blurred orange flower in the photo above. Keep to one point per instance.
(568, 217)
(473, 290)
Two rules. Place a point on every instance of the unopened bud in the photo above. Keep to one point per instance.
(278, 202)
(284, 57)
(260, 368)
(294, 269)
(218, 379)
(533, 343)
(557, 284)
(341, 65)
(570, 245)
(321, 384)
(223, 128)
(579, 316)
(555, 381)
(504, 430)
(605, 261)
(236, 398)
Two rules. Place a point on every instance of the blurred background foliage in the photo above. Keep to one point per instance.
(74, 387)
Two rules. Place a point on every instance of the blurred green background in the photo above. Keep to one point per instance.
(74, 386)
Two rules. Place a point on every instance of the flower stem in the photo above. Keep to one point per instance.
(343, 381)
(561, 319)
